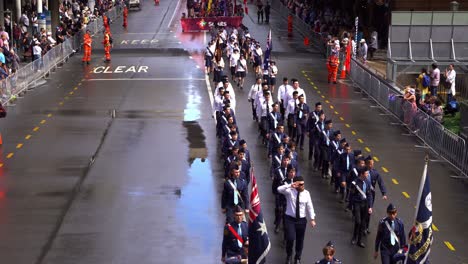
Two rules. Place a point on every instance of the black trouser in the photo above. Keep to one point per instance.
(282, 109)
(324, 155)
(301, 130)
(279, 208)
(291, 128)
(259, 15)
(311, 145)
(264, 127)
(317, 155)
(361, 212)
(294, 230)
(387, 254)
(368, 218)
(254, 113)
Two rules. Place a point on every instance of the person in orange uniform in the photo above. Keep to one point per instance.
(107, 45)
(105, 22)
(125, 15)
(156, 2)
(332, 66)
(87, 41)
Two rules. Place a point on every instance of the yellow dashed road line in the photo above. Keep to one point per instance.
(332, 107)
(336, 113)
(360, 140)
(319, 92)
(71, 93)
(326, 101)
(341, 118)
(395, 181)
(1, 165)
(347, 125)
(406, 194)
(66, 97)
(385, 169)
(61, 103)
(76, 88)
(449, 245)
(353, 132)
(79, 84)
(20, 145)
(10, 155)
(323, 96)
(434, 227)
(49, 115)
(35, 129)
(367, 149)
(43, 121)
(27, 137)
(315, 87)
(376, 159)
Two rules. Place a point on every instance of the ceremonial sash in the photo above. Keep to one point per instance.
(235, 190)
(326, 136)
(233, 231)
(392, 232)
(278, 159)
(316, 117)
(277, 138)
(360, 191)
(274, 119)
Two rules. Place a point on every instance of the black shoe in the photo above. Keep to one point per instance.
(362, 245)
(367, 231)
(353, 241)
(297, 261)
(288, 260)
(277, 229)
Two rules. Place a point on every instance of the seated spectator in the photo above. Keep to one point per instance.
(437, 112)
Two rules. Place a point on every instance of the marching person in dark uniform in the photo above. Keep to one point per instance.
(314, 118)
(390, 236)
(276, 138)
(315, 137)
(352, 176)
(335, 151)
(361, 198)
(346, 164)
(277, 158)
(243, 145)
(328, 255)
(280, 176)
(324, 143)
(302, 111)
(374, 178)
(274, 118)
(230, 143)
(235, 193)
(235, 236)
(298, 207)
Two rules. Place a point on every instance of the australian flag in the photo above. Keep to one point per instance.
(420, 240)
(269, 48)
(259, 242)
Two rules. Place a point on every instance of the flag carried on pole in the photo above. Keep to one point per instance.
(269, 48)
(421, 238)
(259, 242)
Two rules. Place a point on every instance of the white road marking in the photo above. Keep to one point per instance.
(173, 14)
(210, 94)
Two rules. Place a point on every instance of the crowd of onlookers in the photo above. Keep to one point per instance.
(28, 42)
(217, 8)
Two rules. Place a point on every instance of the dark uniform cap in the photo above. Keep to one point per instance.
(391, 208)
(329, 121)
(330, 244)
(336, 133)
(318, 103)
(298, 178)
(343, 140)
(242, 142)
(368, 158)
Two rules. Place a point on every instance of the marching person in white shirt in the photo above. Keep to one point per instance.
(233, 61)
(241, 71)
(298, 207)
(256, 88)
(273, 72)
(264, 107)
(227, 87)
(283, 91)
(295, 87)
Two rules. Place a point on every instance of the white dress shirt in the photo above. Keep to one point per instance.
(291, 107)
(232, 93)
(299, 92)
(256, 88)
(283, 92)
(262, 109)
(451, 75)
(305, 206)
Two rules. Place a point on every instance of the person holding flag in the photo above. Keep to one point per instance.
(420, 238)
(234, 238)
(259, 241)
(390, 236)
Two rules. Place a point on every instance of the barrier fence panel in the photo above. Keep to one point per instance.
(17, 83)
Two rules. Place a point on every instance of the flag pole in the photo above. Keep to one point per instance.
(418, 201)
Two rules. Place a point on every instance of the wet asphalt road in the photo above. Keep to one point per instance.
(118, 162)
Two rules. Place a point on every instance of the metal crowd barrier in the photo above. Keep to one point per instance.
(442, 141)
(16, 84)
